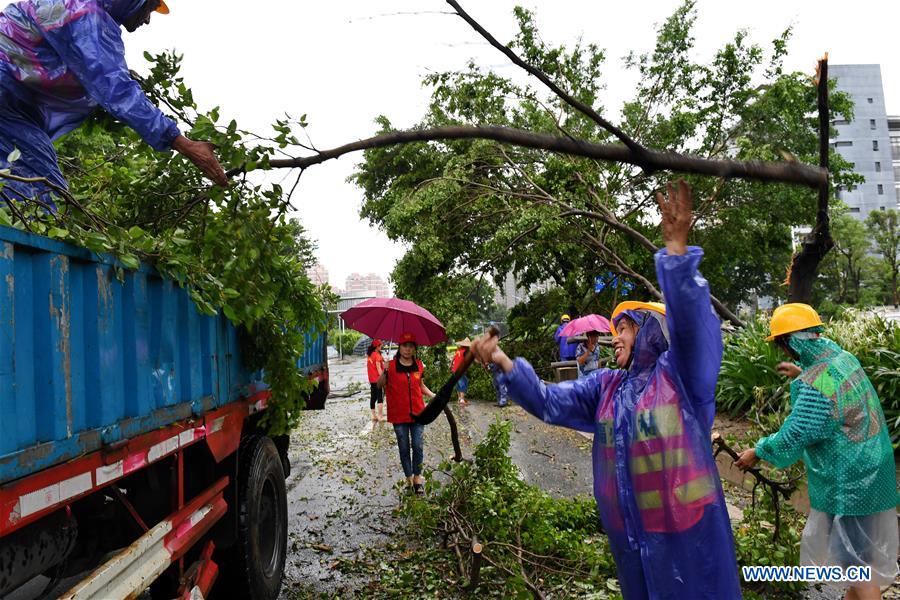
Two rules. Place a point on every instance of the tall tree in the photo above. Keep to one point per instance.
(884, 227)
(847, 267)
(478, 207)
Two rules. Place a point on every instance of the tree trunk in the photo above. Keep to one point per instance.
(805, 263)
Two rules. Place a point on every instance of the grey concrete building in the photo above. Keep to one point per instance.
(894, 132)
(865, 141)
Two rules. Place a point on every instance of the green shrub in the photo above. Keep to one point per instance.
(525, 532)
(748, 379)
(754, 545)
(344, 342)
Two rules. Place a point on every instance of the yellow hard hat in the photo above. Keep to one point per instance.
(565, 318)
(162, 8)
(792, 317)
(658, 307)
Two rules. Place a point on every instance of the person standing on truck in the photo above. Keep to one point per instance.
(405, 389)
(375, 367)
(59, 61)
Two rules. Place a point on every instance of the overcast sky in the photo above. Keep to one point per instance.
(346, 61)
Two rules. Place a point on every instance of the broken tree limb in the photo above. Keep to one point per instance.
(567, 98)
(454, 434)
(783, 172)
(805, 263)
(475, 568)
(776, 488)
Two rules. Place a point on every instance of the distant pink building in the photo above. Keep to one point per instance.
(318, 274)
(371, 283)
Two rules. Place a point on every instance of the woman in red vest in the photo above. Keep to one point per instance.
(375, 367)
(405, 389)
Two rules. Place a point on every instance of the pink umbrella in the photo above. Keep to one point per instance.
(585, 324)
(389, 318)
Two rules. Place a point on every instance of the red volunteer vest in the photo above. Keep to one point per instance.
(404, 393)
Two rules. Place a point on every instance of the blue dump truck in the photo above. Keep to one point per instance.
(130, 446)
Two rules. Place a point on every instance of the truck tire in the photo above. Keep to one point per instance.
(261, 549)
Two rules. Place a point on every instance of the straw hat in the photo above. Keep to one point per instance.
(466, 343)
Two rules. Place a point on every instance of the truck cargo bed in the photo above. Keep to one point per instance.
(87, 360)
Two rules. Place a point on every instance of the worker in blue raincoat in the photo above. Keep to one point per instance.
(655, 479)
(566, 350)
(59, 61)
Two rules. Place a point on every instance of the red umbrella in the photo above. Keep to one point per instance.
(585, 324)
(389, 318)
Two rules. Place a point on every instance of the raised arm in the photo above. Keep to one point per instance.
(695, 336)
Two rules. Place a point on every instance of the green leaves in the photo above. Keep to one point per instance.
(564, 553)
(233, 249)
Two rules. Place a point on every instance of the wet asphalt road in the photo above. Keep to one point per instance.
(346, 477)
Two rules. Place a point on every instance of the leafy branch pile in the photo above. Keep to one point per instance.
(233, 249)
(532, 544)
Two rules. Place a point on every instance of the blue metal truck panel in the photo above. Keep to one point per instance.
(314, 353)
(87, 360)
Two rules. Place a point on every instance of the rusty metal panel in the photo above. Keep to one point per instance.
(87, 359)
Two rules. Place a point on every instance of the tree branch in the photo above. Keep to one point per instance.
(581, 107)
(805, 264)
(784, 172)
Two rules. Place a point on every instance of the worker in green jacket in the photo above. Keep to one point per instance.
(837, 427)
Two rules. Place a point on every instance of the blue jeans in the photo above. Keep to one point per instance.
(410, 434)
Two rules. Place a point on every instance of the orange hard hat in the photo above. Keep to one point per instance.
(658, 307)
(791, 317)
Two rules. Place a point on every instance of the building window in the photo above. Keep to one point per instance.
(880, 190)
(871, 123)
(877, 167)
(869, 100)
(843, 144)
(840, 122)
(875, 145)
(854, 209)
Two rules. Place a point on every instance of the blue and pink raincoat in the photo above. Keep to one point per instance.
(59, 60)
(655, 479)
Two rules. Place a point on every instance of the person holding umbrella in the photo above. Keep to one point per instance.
(462, 386)
(655, 478)
(587, 355)
(405, 389)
